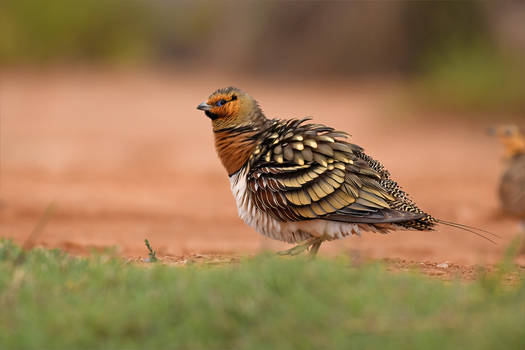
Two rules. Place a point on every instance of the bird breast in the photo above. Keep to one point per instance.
(512, 187)
(234, 149)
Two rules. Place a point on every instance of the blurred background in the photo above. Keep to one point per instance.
(97, 108)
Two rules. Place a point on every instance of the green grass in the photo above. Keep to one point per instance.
(50, 300)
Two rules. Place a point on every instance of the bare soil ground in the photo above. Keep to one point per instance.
(444, 271)
(126, 156)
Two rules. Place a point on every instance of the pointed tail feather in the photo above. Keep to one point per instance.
(477, 231)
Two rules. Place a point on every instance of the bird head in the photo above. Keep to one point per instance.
(512, 138)
(230, 108)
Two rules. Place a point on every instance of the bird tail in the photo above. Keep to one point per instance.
(429, 222)
(487, 235)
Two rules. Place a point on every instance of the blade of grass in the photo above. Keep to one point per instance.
(152, 254)
(37, 231)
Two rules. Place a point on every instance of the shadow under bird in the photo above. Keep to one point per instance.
(304, 183)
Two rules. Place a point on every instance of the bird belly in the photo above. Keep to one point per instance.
(290, 231)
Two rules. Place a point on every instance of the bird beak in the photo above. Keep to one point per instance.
(204, 106)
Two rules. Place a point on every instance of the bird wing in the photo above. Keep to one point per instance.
(307, 171)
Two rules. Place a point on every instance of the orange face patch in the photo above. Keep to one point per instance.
(512, 138)
(224, 106)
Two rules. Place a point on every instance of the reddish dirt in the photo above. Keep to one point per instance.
(444, 271)
(126, 156)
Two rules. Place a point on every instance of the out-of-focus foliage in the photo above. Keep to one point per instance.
(467, 60)
(283, 37)
(473, 78)
(457, 52)
(42, 32)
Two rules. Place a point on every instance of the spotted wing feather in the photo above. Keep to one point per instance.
(308, 171)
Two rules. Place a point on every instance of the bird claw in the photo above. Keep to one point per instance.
(312, 244)
(298, 249)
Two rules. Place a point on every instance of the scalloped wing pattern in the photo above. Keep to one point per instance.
(304, 171)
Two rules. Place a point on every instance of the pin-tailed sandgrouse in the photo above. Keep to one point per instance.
(304, 183)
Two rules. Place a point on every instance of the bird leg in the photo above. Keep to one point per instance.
(314, 243)
(315, 248)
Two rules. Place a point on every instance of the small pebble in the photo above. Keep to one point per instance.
(443, 265)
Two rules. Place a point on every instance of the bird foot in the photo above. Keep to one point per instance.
(312, 244)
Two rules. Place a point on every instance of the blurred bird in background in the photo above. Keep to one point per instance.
(304, 183)
(512, 182)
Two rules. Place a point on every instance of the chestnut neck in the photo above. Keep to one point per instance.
(234, 147)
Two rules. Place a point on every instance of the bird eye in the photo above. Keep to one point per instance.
(220, 102)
